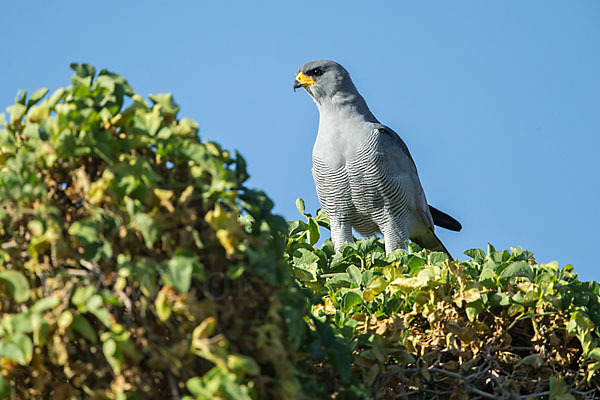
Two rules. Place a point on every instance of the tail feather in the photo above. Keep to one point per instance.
(431, 242)
(443, 220)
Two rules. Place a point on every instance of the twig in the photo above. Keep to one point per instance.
(540, 394)
(173, 386)
(482, 393)
(469, 387)
(407, 394)
(125, 300)
(449, 373)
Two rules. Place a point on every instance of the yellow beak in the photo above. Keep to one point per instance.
(302, 81)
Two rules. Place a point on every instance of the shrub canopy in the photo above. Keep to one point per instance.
(135, 263)
(496, 326)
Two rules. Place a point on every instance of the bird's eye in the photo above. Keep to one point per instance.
(317, 72)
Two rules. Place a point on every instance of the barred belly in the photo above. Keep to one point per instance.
(361, 192)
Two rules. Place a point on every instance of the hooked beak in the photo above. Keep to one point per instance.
(302, 81)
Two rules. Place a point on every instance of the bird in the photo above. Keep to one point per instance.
(364, 174)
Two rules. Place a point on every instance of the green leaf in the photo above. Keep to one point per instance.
(16, 112)
(304, 258)
(56, 97)
(103, 315)
(16, 283)
(242, 365)
(166, 102)
(354, 274)
(5, 390)
(473, 310)
(559, 390)
(307, 273)
(499, 299)
(85, 231)
(323, 219)
(438, 258)
(81, 295)
(306, 265)
(81, 325)
(24, 343)
(36, 96)
(300, 205)
(195, 385)
(341, 279)
(19, 322)
(295, 227)
(351, 299)
(149, 122)
(177, 272)
(45, 304)
(189, 127)
(313, 231)
(113, 356)
(488, 278)
(40, 328)
(21, 96)
(94, 302)
(476, 254)
(518, 268)
(83, 70)
(595, 354)
(119, 81)
(12, 351)
(147, 226)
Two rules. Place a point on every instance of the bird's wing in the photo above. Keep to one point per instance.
(400, 148)
(400, 166)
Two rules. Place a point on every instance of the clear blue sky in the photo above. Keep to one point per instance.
(498, 102)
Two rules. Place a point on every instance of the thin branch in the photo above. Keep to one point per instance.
(173, 387)
(540, 394)
(482, 393)
(406, 394)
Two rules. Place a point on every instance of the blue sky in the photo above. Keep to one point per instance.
(498, 102)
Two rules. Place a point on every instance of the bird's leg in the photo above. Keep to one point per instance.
(341, 233)
(395, 235)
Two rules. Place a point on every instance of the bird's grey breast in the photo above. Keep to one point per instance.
(348, 175)
(330, 174)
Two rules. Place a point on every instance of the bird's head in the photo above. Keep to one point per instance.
(322, 79)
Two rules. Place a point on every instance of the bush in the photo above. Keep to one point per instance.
(496, 326)
(134, 263)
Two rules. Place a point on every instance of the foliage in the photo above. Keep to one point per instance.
(134, 263)
(422, 326)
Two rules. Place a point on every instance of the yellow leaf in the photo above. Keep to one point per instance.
(205, 329)
(163, 308)
(409, 284)
(368, 295)
(471, 295)
(228, 229)
(165, 198)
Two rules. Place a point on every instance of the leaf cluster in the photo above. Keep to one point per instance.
(422, 326)
(134, 261)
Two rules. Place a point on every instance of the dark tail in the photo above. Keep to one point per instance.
(431, 242)
(443, 220)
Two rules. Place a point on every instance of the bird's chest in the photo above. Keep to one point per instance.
(347, 169)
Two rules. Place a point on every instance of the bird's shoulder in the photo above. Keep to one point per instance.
(392, 143)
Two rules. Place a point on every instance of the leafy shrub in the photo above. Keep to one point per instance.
(496, 326)
(134, 263)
